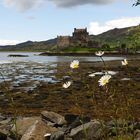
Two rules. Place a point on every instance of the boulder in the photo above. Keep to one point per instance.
(37, 131)
(52, 117)
(91, 131)
(24, 123)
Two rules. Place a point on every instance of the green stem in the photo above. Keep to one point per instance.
(104, 63)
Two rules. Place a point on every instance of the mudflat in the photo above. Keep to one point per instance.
(85, 96)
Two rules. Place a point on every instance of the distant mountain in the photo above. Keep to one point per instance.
(31, 46)
(129, 36)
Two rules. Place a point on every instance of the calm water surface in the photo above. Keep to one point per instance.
(34, 57)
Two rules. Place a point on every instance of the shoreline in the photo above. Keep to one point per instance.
(86, 54)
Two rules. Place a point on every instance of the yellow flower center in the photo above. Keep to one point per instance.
(75, 66)
(104, 81)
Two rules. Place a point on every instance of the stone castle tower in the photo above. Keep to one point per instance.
(80, 37)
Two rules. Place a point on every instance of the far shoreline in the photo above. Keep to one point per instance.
(86, 54)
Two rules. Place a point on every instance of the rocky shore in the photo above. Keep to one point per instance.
(83, 105)
(53, 126)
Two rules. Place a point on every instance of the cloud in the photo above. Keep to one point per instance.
(9, 42)
(97, 28)
(72, 3)
(23, 5)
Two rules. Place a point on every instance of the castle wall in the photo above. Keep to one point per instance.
(63, 41)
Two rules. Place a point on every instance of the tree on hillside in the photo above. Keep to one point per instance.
(136, 3)
(134, 39)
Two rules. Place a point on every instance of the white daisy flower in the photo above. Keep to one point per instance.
(111, 72)
(104, 80)
(91, 75)
(99, 53)
(74, 64)
(124, 62)
(67, 84)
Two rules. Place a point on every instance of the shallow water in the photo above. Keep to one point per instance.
(21, 70)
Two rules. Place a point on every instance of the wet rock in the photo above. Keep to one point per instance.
(91, 131)
(37, 131)
(53, 118)
(59, 135)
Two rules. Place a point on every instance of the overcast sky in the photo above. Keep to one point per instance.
(35, 20)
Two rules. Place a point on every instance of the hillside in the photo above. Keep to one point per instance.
(31, 46)
(116, 37)
(129, 37)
